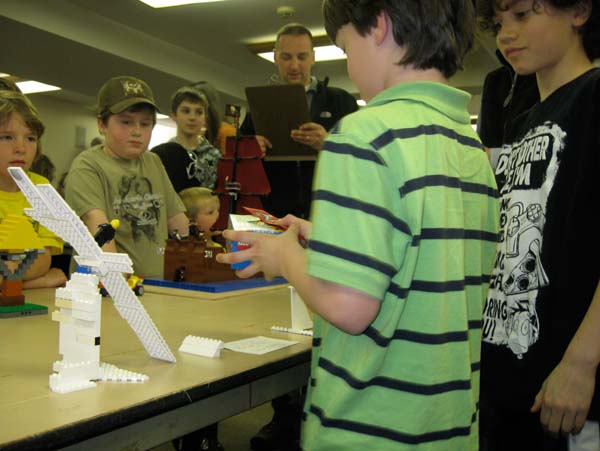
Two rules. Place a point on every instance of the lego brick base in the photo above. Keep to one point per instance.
(26, 309)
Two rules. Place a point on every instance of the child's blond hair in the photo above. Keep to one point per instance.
(195, 198)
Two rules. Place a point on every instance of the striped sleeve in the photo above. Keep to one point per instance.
(356, 217)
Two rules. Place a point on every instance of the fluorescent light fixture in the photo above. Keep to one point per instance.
(4, 75)
(30, 87)
(361, 102)
(269, 56)
(169, 3)
(322, 53)
(161, 116)
(329, 53)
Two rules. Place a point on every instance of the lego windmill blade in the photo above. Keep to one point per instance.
(132, 310)
(50, 210)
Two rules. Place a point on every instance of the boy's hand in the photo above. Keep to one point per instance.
(267, 253)
(565, 397)
(92, 219)
(311, 134)
(304, 226)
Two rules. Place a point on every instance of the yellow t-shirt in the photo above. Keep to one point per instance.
(15, 203)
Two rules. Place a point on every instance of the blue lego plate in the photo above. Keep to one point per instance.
(217, 287)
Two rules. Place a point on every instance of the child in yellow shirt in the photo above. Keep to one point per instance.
(20, 132)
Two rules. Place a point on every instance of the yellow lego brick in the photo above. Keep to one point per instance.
(61, 317)
(63, 303)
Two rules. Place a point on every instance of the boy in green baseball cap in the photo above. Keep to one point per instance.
(120, 179)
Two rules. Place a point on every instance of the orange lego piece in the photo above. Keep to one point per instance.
(12, 293)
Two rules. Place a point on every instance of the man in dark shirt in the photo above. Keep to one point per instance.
(291, 181)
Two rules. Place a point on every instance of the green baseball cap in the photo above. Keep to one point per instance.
(119, 93)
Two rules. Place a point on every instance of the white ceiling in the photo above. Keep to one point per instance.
(79, 44)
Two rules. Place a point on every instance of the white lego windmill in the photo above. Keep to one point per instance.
(80, 300)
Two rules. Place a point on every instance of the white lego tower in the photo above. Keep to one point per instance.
(79, 339)
(79, 334)
(301, 318)
(79, 301)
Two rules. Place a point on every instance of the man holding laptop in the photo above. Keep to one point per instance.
(291, 179)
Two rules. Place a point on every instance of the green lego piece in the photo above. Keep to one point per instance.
(26, 309)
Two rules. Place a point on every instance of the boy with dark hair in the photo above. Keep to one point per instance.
(541, 336)
(189, 158)
(120, 179)
(397, 325)
(191, 161)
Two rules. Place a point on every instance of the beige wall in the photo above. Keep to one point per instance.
(475, 104)
(62, 120)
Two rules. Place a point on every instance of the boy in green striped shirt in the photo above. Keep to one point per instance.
(401, 246)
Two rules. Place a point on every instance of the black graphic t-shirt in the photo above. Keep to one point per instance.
(190, 168)
(543, 281)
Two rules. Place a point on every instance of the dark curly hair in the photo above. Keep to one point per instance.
(436, 33)
(590, 32)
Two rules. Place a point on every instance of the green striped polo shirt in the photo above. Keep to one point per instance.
(405, 209)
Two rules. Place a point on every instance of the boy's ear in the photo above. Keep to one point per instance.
(380, 30)
(101, 126)
(582, 12)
